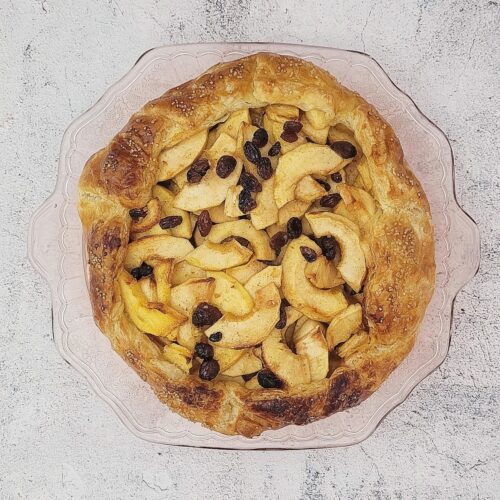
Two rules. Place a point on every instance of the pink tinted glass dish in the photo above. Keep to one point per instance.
(55, 247)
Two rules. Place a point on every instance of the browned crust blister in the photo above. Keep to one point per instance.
(401, 268)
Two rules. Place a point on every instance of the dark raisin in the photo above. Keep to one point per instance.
(242, 241)
(204, 223)
(275, 149)
(204, 350)
(209, 369)
(289, 136)
(137, 213)
(287, 304)
(198, 170)
(294, 228)
(250, 182)
(245, 201)
(330, 200)
(251, 152)
(170, 221)
(215, 337)
(205, 314)
(328, 246)
(282, 321)
(308, 253)
(248, 376)
(225, 165)
(268, 379)
(323, 184)
(344, 149)
(260, 137)
(278, 241)
(141, 271)
(336, 177)
(292, 126)
(264, 168)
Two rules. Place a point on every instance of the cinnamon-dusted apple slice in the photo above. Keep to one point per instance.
(211, 190)
(151, 217)
(270, 274)
(152, 248)
(359, 203)
(227, 357)
(148, 288)
(245, 229)
(309, 190)
(231, 205)
(162, 323)
(163, 277)
(292, 369)
(317, 304)
(266, 212)
(184, 271)
(218, 215)
(352, 264)
(349, 347)
(307, 159)
(233, 123)
(294, 208)
(344, 325)
(219, 256)
(252, 329)
(309, 341)
(317, 135)
(248, 363)
(175, 159)
(229, 295)
(244, 272)
(179, 356)
(182, 230)
(322, 273)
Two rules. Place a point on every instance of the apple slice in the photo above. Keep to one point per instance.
(151, 218)
(275, 129)
(292, 369)
(163, 277)
(270, 274)
(175, 159)
(232, 204)
(148, 288)
(227, 357)
(358, 203)
(309, 190)
(248, 363)
(307, 159)
(317, 304)
(179, 356)
(252, 329)
(266, 212)
(352, 264)
(317, 118)
(152, 248)
(344, 325)
(282, 112)
(322, 273)
(232, 125)
(211, 190)
(244, 228)
(184, 229)
(309, 341)
(219, 256)
(317, 135)
(184, 271)
(218, 215)
(161, 323)
(229, 295)
(294, 208)
(244, 272)
(349, 347)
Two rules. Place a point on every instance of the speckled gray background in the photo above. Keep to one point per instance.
(57, 439)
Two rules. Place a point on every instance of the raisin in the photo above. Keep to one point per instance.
(170, 221)
(225, 165)
(328, 246)
(197, 171)
(204, 350)
(344, 149)
(260, 137)
(330, 200)
(275, 149)
(250, 182)
(323, 184)
(245, 201)
(268, 379)
(209, 369)
(289, 136)
(205, 314)
(215, 337)
(278, 241)
(282, 321)
(204, 223)
(137, 213)
(248, 376)
(294, 228)
(242, 241)
(292, 126)
(141, 271)
(264, 168)
(308, 253)
(336, 177)
(251, 152)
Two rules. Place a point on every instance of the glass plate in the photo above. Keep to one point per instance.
(55, 247)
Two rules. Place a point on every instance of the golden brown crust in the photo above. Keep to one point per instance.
(401, 267)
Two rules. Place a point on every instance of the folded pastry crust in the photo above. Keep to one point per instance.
(398, 242)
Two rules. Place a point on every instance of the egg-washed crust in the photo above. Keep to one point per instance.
(399, 243)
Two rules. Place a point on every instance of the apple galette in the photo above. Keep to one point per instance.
(258, 250)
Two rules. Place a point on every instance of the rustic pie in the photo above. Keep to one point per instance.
(258, 250)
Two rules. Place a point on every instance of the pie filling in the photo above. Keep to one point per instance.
(247, 264)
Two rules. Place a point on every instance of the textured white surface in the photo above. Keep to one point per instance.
(57, 439)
